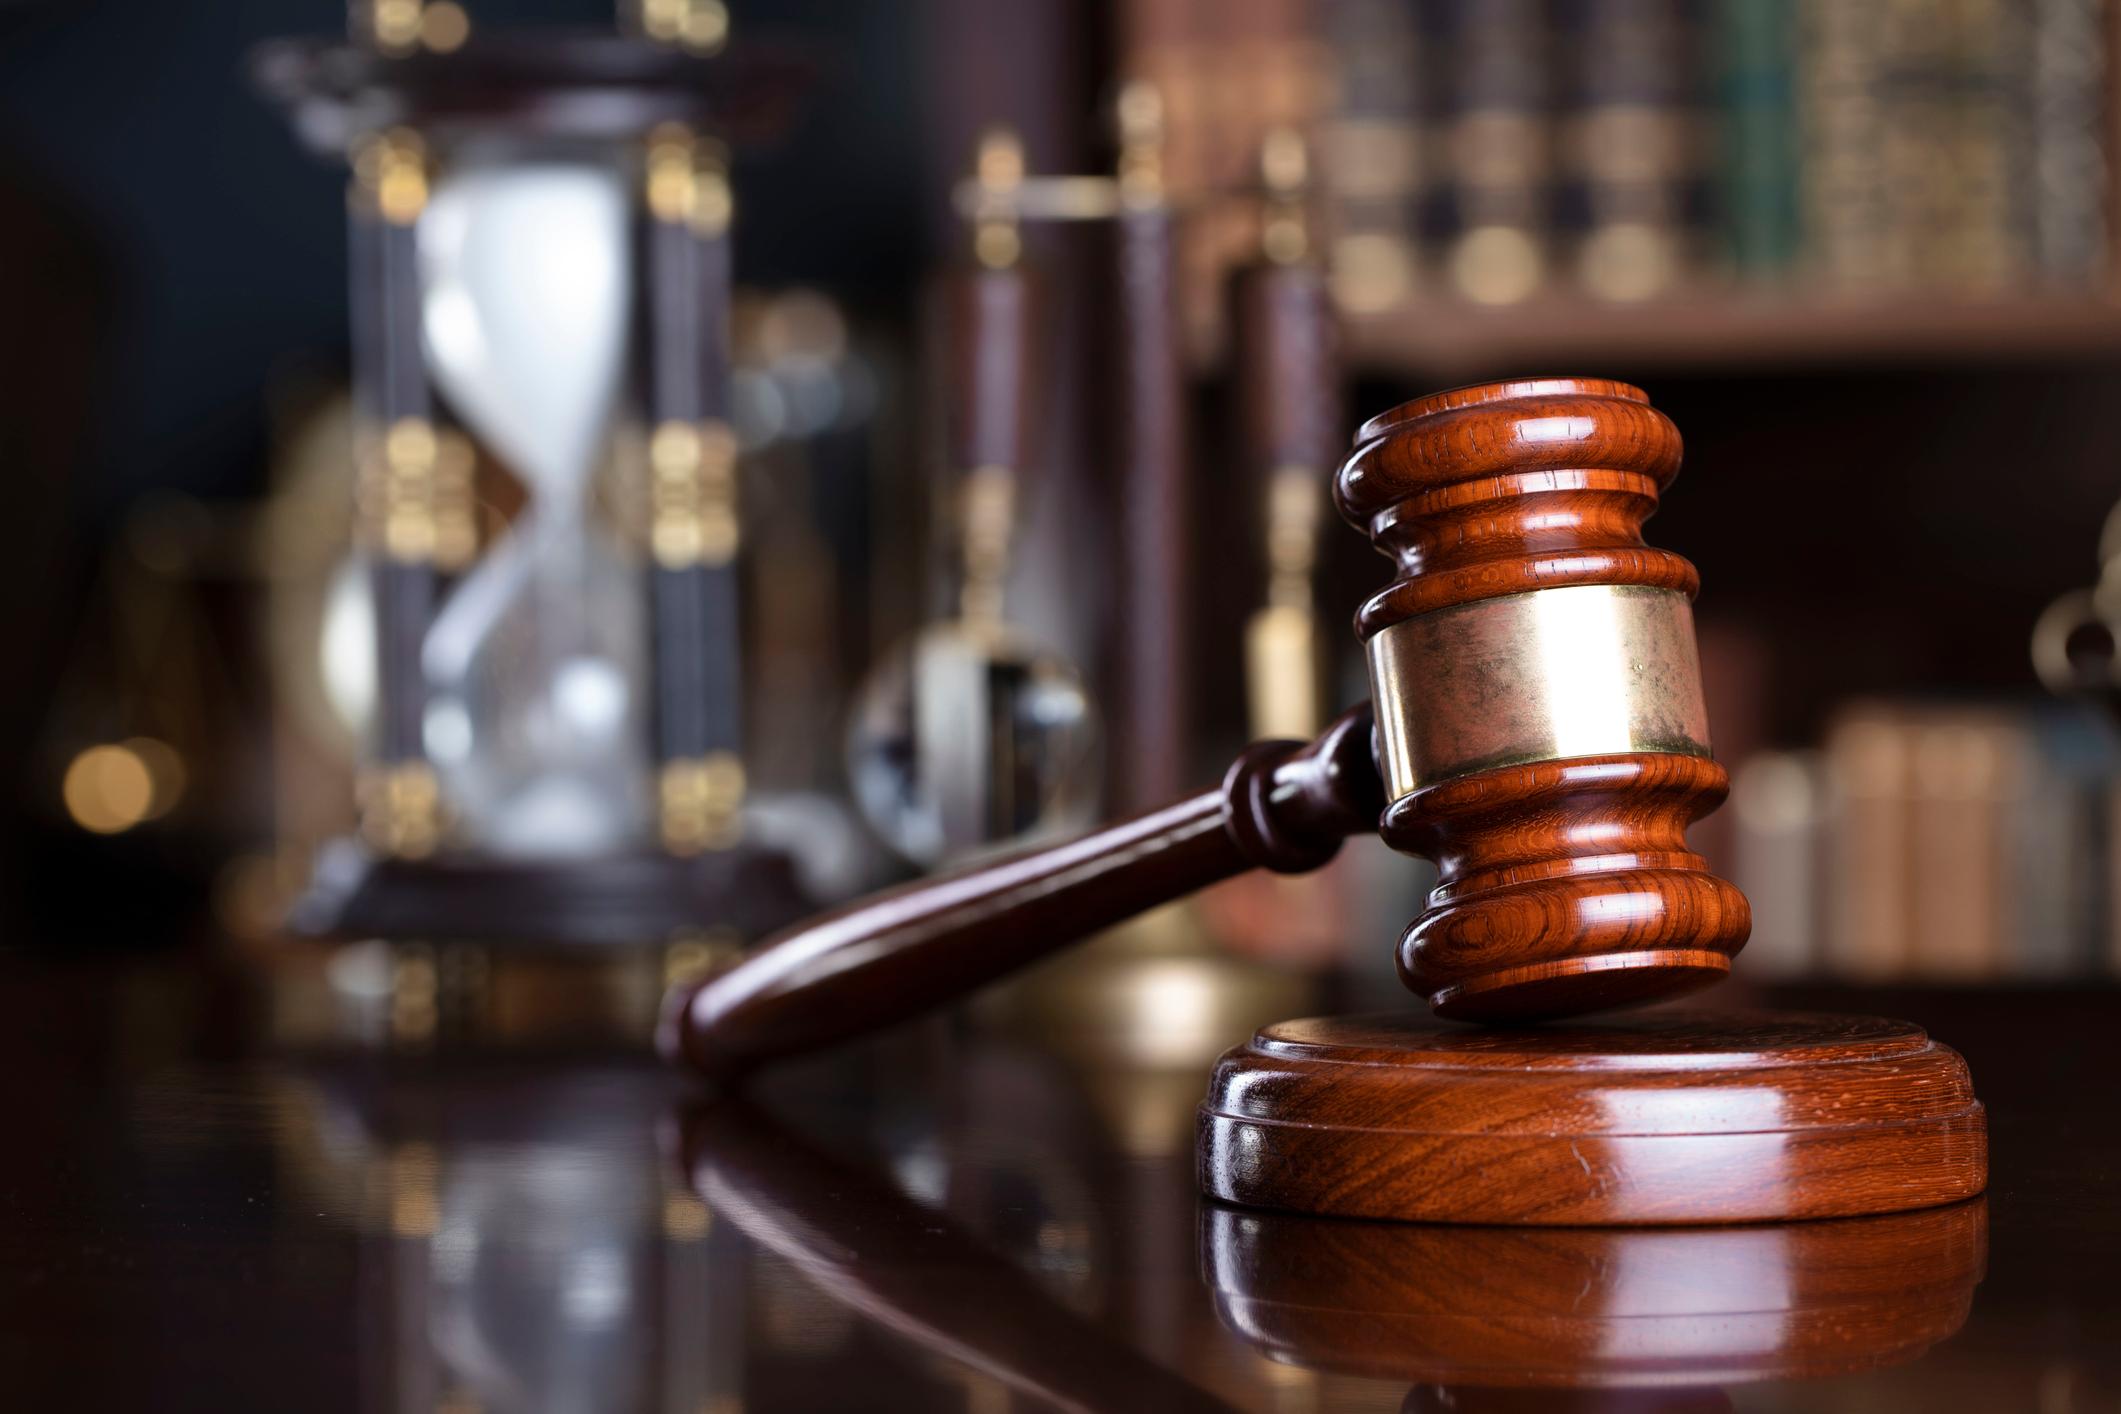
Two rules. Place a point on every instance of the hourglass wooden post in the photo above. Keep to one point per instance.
(697, 693)
(541, 259)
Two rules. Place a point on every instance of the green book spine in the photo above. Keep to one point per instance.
(1761, 141)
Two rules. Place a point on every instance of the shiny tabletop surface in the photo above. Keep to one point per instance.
(963, 1215)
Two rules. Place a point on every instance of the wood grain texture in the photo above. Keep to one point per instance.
(1517, 1308)
(991, 314)
(1566, 885)
(1151, 715)
(1509, 487)
(1670, 1118)
(1284, 806)
(1286, 368)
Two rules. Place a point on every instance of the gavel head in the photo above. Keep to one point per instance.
(1540, 726)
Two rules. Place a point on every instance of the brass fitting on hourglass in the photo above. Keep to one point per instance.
(401, 27)
(694, 528)
(415, 519)
(688, 180)
(414, 516)
(696, 26)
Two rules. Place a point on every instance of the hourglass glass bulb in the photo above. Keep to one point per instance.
(534, 720)
(523, 275)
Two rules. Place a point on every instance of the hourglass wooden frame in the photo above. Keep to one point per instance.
(668, 117)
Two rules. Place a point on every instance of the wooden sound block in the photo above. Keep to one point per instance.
(1668, 1117)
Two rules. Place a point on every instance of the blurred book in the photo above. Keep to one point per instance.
(1634, 143)
(1961, 842)
(2068, 67)
(1756, 58)
(1497, 198)
(1374, 146)
(1493, 150)
(1778, 804)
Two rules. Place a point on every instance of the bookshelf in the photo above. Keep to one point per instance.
(1448, 338)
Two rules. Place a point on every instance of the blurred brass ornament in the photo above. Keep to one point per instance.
(393, 26)
(2075, 639)
(701, 802)
(699, 26)
(688, 180)
(391, 176)
(692, 494)
(401, 809)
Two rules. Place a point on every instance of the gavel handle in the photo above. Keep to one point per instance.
(1282, 805)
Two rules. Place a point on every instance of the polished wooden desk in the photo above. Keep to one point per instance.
(946, 1219)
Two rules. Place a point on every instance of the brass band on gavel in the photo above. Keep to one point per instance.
(1581, 671)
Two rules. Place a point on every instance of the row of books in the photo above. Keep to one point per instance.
(1493, 149)
(1929, 842)
(1628, 146)
(1493, 144)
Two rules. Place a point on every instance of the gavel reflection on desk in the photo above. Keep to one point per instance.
(1474, 1318)
(1536, 727)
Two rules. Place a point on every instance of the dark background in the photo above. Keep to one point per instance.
(219, 247)
(170, 261)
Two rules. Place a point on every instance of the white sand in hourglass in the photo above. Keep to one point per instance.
(535, 660)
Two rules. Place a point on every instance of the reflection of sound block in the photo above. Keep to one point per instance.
(1593, 1308)
(1668, 1117)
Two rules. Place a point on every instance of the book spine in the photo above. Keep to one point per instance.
(1778, 803)
(1965, 769)
(2067, 76)
(1495, 61)
(2057, 835)
(1841, 108)
(1869, 879)
(2111, 953)
(1373, 151)
(1631, 140)
(1756, 42)
(1981, 239)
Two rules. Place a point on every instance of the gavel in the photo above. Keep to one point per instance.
(1535, 727)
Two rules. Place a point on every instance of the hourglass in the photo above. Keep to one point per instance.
(540, 641)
